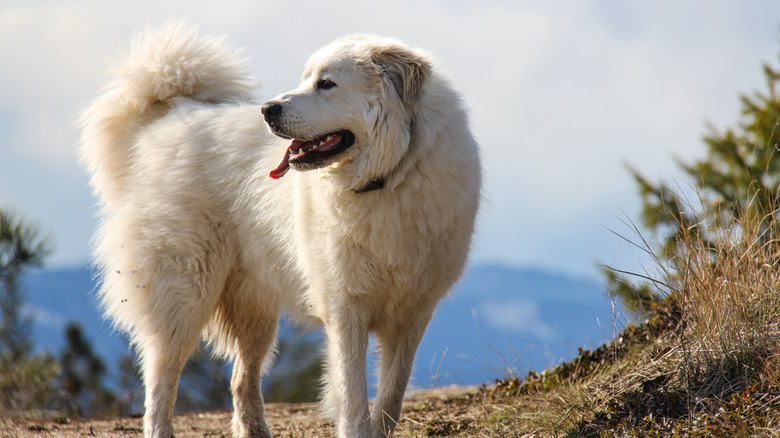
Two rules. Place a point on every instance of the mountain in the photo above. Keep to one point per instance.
(501, 321)
(57, 297)
(498, 320)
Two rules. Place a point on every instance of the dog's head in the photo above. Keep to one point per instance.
(353, 110)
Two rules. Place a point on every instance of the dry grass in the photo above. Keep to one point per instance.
(707, 363)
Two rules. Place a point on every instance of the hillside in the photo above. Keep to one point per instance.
(629, 387)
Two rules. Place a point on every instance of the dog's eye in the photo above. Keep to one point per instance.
(325, 84)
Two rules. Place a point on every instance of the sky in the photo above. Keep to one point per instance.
(561, 95)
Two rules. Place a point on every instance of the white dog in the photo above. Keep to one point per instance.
(365, 235)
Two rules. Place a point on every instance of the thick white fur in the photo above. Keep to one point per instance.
(195, 238)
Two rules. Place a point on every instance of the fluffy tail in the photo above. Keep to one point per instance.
(163, 64)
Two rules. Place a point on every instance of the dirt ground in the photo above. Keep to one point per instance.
(285, 420)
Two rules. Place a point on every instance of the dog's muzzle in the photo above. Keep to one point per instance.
(272, 112)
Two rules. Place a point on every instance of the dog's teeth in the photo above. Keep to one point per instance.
(314, 148)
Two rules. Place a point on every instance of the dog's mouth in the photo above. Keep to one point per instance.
(315, 153)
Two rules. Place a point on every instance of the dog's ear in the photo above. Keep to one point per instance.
(405, 69)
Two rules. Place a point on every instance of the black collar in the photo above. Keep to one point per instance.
(371, 186)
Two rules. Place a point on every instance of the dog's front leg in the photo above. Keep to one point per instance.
(346, 396)
(398, 344)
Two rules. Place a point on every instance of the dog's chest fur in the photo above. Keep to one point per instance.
(393, 246)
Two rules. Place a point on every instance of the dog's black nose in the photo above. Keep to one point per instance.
(271, 111)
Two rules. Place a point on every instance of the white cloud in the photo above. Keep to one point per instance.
(517, 316)
(610, 89)
(561, 93)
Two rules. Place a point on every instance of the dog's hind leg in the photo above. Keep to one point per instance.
(398, 344)
(162, 363)
(251, 325)
(179, 304)
(163, 355)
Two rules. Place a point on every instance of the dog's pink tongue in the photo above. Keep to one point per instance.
(297, 145)
(284, 166)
